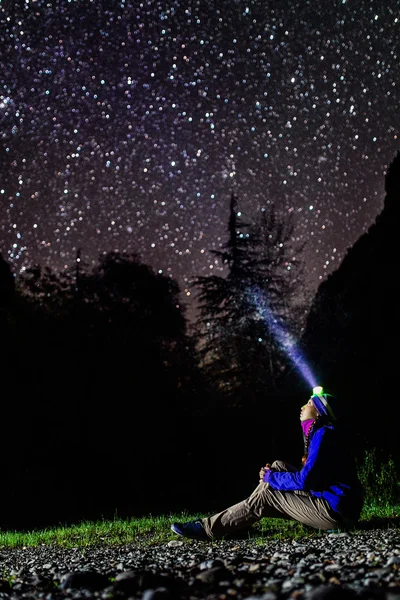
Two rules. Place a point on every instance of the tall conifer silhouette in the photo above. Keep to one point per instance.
(239, 353)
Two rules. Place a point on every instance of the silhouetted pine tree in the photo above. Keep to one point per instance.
(239, 350)
(223, 307)
(274, 310)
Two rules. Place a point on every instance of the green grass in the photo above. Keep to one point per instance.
(378, 475)
(141, 531)
(144, 531)
(154, 530)
(373, 512)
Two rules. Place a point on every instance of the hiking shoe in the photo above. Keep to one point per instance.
(191, 529)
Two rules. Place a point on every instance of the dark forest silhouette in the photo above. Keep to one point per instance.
(111, 402)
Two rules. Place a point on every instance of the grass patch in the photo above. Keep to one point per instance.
(378, 476)
(141, 531)
(153, 530)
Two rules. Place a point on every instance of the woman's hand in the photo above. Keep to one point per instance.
(263, 470)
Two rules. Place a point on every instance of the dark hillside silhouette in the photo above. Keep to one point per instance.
(353, 328)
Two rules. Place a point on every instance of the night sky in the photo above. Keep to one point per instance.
(125, 125)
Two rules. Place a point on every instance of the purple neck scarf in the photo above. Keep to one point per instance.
(306, 425)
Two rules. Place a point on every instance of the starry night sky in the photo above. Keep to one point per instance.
(125, 125)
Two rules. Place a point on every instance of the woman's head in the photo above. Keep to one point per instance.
(319, 405)
(325, 405)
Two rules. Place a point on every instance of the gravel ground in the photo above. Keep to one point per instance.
(345, 565)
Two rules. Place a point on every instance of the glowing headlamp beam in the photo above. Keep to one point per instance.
(284, 339)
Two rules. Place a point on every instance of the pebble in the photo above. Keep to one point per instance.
(361, 565)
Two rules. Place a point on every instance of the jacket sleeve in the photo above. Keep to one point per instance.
(310, 476)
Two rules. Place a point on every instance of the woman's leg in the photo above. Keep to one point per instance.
(275, 504)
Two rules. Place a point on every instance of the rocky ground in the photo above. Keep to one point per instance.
(344, 565)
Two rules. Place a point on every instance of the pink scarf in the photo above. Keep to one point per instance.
(306, 425)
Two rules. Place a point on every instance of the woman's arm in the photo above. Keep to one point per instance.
(309, 477)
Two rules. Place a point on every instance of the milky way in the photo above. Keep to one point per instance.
(126, 125)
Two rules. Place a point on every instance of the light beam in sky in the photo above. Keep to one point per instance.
(285, 340)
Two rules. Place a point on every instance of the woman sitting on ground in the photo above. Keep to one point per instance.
(325, 493)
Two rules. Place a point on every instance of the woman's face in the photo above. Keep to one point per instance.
(308, 411)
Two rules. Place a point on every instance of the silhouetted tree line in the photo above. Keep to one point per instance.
(113, 402)
(99, 367)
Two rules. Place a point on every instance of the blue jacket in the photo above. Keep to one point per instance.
(329, 472)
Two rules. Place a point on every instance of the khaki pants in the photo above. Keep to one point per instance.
(275, 504)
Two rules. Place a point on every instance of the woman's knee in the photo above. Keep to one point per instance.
(281, 465)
